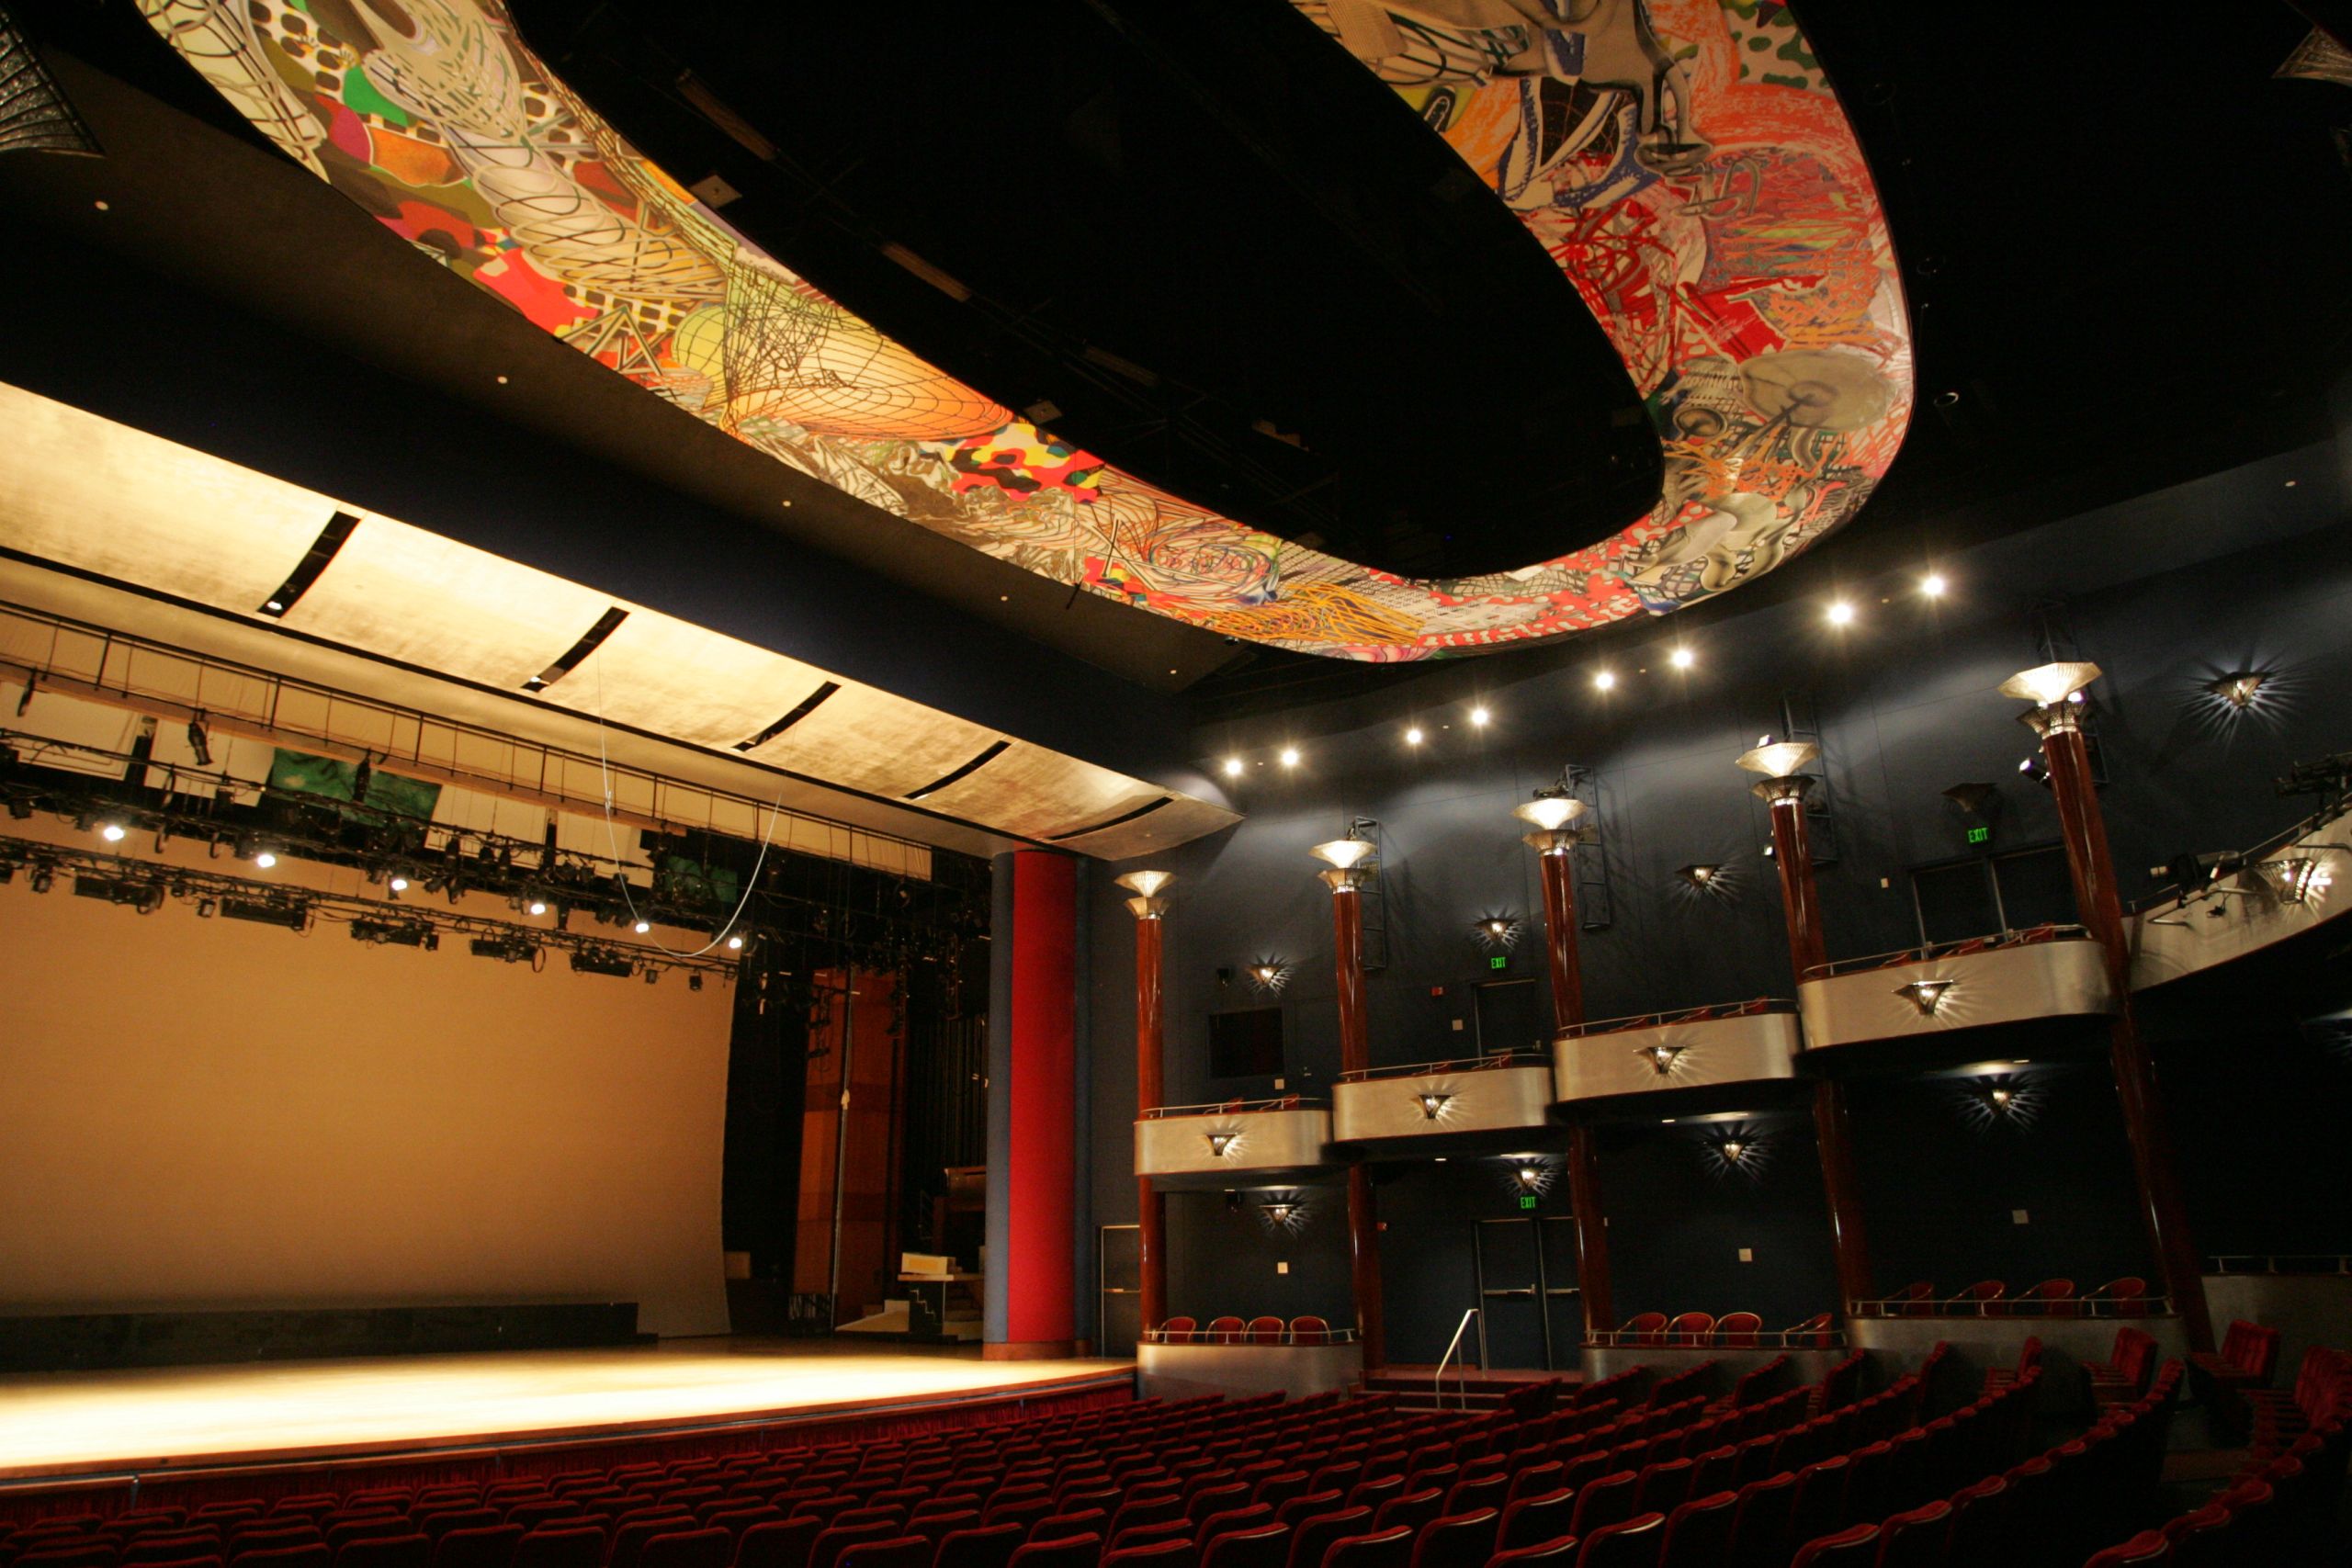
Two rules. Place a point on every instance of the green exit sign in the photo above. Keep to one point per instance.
(1527, 1199)
(1499, 961)
(1980, 834)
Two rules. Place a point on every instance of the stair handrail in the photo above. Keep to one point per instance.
(1437, 1384)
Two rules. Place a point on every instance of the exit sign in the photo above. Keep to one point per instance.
(1499, 961)
(1980, 834)
(1527, 1199)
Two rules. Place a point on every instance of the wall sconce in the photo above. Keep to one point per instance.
(1530, 1177)
(1925, 994)
(1737, 1147)
(2238, 688)
(1497, 933)
(1269, 975)
(2297, 879)
(1147, 904)
(1283, 1211)
(2004, 1100)
(1703, 876)
(1432, 1105)
(1661, 1056)
(1220, 1142)
(1351, 860)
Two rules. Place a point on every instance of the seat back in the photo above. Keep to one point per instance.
(1265, 1330)
(1628, 1543)
(1738, 1329)
(1312, 1537)
(1380, 1549)
(2148, 1546)
(895, 1551)
(1226, 1330)
(710, 1547)
(410, 1550)
(1309, 1330)
(1916, 1539)
(1855, 1546)
(1456, 1541)
(1604, 1501)
(776, 1545)
(1530, 1521)
(485, 1546)
(1646, 1327)
(1070, 1552)
(1697, 1534)
(990, 1546)
(1178, 1330)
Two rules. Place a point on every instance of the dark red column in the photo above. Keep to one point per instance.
(1355, 1054)
(1039, 1263)
(1801, 902)
(1151, 1209)
(2163, 1211)
(1590, 1219)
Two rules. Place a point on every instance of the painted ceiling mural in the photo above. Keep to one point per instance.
(1683, 161)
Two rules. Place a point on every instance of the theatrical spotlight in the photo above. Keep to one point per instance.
(402, 933)
(506, 949)
(597, 961)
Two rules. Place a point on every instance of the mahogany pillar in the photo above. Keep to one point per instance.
(1151, 1087)
(1801, 904)
(1350, 865)
(1554, 840)
(2163, 1211)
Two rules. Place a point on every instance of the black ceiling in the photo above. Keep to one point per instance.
(2128, 250)
(1202, 241)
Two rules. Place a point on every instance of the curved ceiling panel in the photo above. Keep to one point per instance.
(1684, 162)
(878, 742)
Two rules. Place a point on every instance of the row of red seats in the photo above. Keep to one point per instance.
(2222, 1379)
(1231, 1330)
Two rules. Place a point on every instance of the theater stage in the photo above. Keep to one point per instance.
(170, 1420)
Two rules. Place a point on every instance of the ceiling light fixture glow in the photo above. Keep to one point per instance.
(1841, 614)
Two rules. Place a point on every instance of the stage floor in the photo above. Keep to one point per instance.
(59, 1424)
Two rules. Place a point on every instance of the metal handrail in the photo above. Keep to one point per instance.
(1289, 1337)
(2332, 1263)
(1996, 942)
(2022, 1307)
(1753, 1006)
(1763, 1339)
(1459, 1064)
(1437, 1384)
(2291, 839)
(1235, 1106)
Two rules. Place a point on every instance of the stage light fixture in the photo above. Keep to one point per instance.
(2034, 768)
(694, 981)
(735, 943)
(398, 884)
(537, 905)
(113, 832)
(598, 960)
(1734, 1150)
(641, 926)
(1841, 614)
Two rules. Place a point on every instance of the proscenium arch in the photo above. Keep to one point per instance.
(1685, 163)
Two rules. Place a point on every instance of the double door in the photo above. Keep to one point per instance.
(1532, 1313)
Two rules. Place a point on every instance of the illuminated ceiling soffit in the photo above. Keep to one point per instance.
(1684, 162)
(116, 503)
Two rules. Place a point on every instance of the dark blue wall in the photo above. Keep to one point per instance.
(1907, 707)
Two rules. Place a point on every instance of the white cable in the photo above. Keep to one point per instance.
(612, 839)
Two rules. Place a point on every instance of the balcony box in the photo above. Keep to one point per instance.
(1439, 1107)
(2052, 972)
(1698, 1048)
(1259, 1143)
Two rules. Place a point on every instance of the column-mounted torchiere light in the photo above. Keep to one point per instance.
(1352, 861)
(1147, 904)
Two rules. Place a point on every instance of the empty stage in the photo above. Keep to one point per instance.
(57, 1425)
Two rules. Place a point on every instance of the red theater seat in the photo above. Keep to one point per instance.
(1265, 1331)
(897, 1551)
(1155, 1554)
(2148, 1546)
(1697, 1534)
(1227, 1330)
(1691, 1328)
(1073, 1551)
(1646, 1327)
(1381, 1548)
(991, 1546)
(1560, 1552)
(1268, 1546)
(692, 1549)
(1178, 1330)
(1312, 1539)
(490, 1546)
(1852, 1548)
(1628, 1543)
(1529, 1521)
(1309, 1330)
(1739, 1330)
(410, 1550)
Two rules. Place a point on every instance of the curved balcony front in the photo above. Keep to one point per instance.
(2277, 892)
(1919, 996)
(1481, 1105)
(1696, 1049)
(1240, 1143)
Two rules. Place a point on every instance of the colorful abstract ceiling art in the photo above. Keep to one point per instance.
(1684, 162)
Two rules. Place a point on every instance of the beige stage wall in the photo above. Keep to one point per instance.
(212, 1113)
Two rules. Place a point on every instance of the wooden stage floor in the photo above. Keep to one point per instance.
(176, 1418)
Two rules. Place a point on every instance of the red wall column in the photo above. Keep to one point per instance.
(1040, 1269)
(1590, 1219)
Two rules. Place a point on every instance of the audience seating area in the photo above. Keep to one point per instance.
(1636, 1471)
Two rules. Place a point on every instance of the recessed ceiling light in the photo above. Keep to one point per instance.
(1682, 658)
(502, 380)
(1413, 736)
(1933, 585)
(102, 207)
(1290, 756)
(1603, 680)
(1233, 767)
(1479, 717)
(1841, 614)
